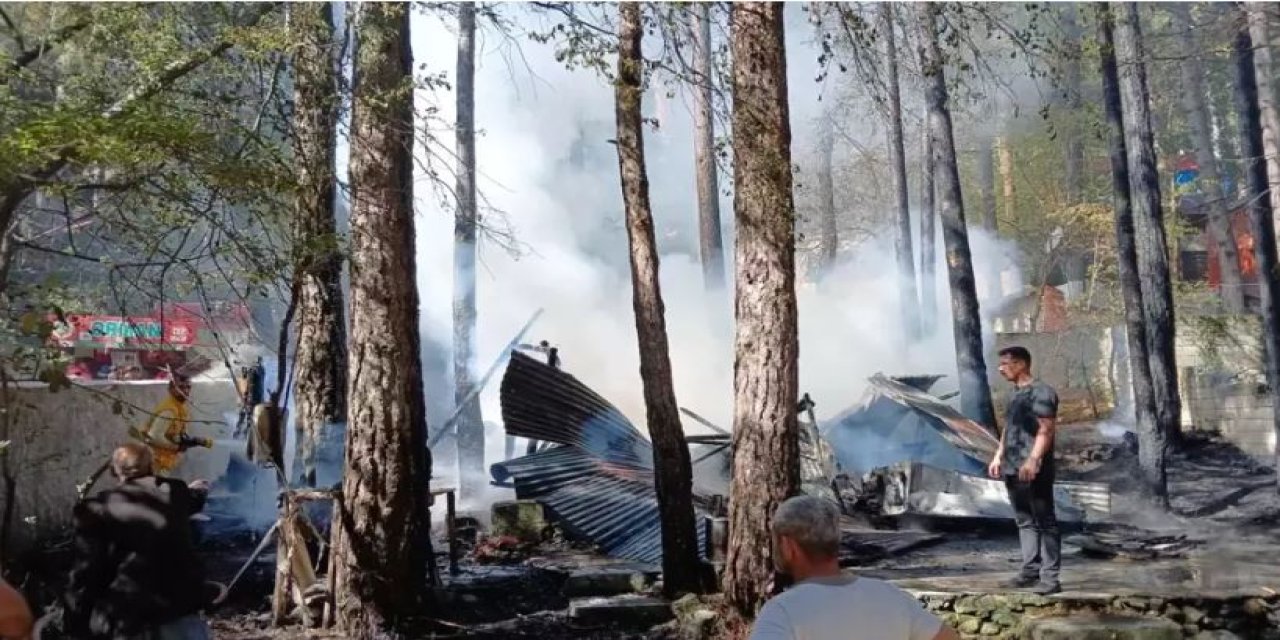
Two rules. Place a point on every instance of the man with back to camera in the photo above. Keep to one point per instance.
(825, 603)
(1024, 460)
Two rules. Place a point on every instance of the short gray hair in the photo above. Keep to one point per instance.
(813, 522)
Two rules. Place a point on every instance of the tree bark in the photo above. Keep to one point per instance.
(908, 303)
(928, 237)
(1264, 71)
(382, 544)
(829, 237)
(1153, 252)
(1193, 102)
(975, 392)
(704, 152)
(320, 373)
(1248, 103)
(471, 474)
(1144, 401)
(673, 470)
(766, 467)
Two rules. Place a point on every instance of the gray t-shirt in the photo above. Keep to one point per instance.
(1021, 422)
(845, 608)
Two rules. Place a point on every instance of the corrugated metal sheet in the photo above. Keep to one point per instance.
(598, 481)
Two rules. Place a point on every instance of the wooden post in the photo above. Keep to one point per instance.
(451, 527)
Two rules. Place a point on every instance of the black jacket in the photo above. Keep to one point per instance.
(136, 565)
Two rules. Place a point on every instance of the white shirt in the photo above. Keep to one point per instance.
(845, 608)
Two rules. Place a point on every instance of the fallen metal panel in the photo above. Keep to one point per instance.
(598, 483)
(919, 489)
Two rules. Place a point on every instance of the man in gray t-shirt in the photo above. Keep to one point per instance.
(1024, 460)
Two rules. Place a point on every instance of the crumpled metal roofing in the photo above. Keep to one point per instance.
(598, 481)
(897, 422)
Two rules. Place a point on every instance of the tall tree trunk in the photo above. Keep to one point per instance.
(928, 237)
(975, 392)
(320, 373)
(1073, 130)
(1005, 155)
(829, 237)
(673, 472)
(987, 201)
(704, 151)
(471, 474)
(766, 465)
(1265, 74)
(1152, 464)
(1260, 221)
(382, 543)
(908, 303)
(1193, 102)
(1153, 252)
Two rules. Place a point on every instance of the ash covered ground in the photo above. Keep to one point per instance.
(1224, 509)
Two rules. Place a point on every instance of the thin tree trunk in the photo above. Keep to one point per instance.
(320, 373)
(908, 302)
(1153, 252)
(1265, 74)
(766, 465)
(1193, 102)
(1260, 221)
(987, 201)
(1152, 465)
(673, 472)
(1005, 155)
(828, 238)
(382, 544)
(1073, 134)
(975, 392)
(928, 238)
(704, 152)
(471, 474)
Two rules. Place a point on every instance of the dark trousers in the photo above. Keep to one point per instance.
(1037, 526)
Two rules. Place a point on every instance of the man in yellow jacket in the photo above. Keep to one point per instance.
(166, 428)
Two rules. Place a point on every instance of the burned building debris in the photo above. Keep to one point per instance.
(906, 453)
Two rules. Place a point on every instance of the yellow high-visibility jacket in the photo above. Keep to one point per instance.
(167, 423)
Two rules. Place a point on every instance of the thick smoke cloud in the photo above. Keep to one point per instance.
(546, 161)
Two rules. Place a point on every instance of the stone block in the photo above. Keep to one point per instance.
(606, 581)
(630, 611)
(1102, 628)
(522, 519)
(1216, 635)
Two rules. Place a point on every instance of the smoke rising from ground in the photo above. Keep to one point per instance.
(546, 161)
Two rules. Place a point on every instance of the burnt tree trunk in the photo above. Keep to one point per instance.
(710, 239)
(382, 544)
(471, 475)
(1264, 71)
(320, 372)
(673, 471)
(975, 392)
(1152, 466)
(928, 237)
(1153, 252)
(1072, 53)
(766, 464)
(829, 236)
(1260, 220)
(908, 302)
(1197, 109)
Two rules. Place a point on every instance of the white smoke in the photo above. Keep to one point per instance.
(545, 159)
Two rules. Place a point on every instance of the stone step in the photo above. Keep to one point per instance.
(1105, 627)
(630, 611)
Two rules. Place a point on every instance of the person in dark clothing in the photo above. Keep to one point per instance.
(1024, 460)
(136, 574)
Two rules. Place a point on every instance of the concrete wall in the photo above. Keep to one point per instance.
(1220, 375)
(58, 439)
